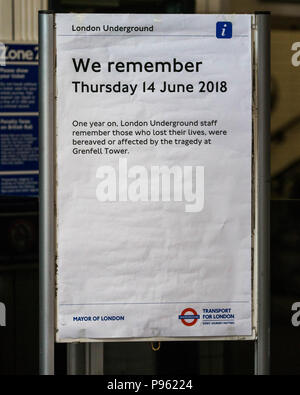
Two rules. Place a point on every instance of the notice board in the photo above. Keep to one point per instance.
(154, 176)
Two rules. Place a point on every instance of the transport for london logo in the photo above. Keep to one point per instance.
(224, 30)
(189, 317)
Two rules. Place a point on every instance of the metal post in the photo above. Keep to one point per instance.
(262, 347)
(85, 359)
(76, 359)
(46, 219)
(94, 357)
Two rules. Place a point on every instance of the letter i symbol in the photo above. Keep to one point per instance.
(224, 30)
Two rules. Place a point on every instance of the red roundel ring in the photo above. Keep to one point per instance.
(189, 310)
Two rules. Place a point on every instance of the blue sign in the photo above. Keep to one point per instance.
(224, 30)
(19, 149)
(19, 154)
(19, 53)
(19, 185)
(19, 88)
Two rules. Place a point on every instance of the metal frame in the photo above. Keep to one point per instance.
(86, 358)
(46, 216)
(262, 345)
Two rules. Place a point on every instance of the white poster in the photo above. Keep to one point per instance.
(154, 142)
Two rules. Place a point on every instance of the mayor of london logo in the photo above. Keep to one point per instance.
(189, 317)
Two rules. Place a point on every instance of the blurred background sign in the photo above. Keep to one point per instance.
(19, 120)
(19, 184)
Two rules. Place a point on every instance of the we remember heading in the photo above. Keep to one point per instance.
(137, 67)
(175, 66)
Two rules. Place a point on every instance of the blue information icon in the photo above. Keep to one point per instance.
(224, 30)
